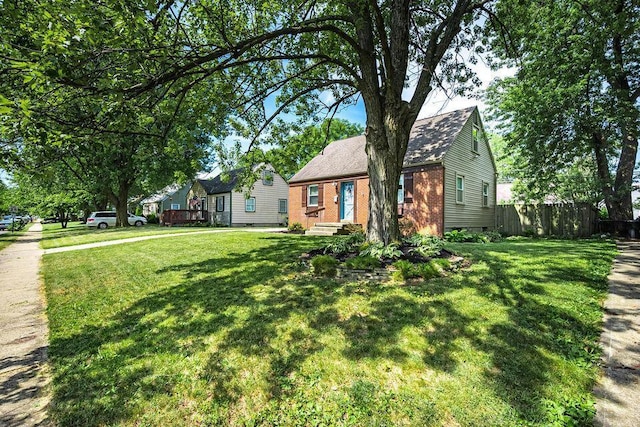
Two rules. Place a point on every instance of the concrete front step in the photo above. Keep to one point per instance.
(330, 224)
(328, 229)
(312, 232)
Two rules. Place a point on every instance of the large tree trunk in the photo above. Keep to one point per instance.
(616, 193)
(622, 203)
(628, 116)
(386, 148)
(383, 61)
(120, 201)
(64, 218)
(602, 166)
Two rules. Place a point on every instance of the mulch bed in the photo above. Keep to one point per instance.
(406, 250)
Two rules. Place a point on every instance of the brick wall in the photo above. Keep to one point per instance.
(362, 202)
(331, 203)
(427, 209)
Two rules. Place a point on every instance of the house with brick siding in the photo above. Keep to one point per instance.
(448, 179)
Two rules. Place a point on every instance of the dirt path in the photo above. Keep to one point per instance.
(618, 391)
(23, 334)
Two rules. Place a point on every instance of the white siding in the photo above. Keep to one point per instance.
(267, 197)
(476, 168)
(215, 217)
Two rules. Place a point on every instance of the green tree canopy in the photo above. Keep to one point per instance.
(294, 150)
(572, 112)
(312, 57)
(110, 144)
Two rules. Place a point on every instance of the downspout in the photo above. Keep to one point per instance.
(231, 209)
(444, 207)
(495, 201)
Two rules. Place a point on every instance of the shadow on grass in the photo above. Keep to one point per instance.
(245, 300)
(539, 329)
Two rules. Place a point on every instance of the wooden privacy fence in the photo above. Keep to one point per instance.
(569, 220)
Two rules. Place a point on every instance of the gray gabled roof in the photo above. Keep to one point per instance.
(217, 185)
(162, 194)
(429, 141)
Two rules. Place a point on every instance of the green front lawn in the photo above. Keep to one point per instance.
(227, 329)
(8, 237)
(54, 236)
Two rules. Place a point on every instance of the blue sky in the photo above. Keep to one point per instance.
(439, 101)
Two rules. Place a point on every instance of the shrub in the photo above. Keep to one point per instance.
(324, 265)
(405, 270)
(380, 251)
(493, 236)
(344, 244)
(354, 229)
(408, 270)
(153, 219)
(603, 213)
(425, 245)
(463, 235)
(442, 263)
(362, 263)
(296, 227)
(428, 270)
(458, 236)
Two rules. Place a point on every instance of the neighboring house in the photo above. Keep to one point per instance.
(267, 203)
(171, 197)
(448, 179)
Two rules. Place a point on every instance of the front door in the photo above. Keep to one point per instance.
(346, 201)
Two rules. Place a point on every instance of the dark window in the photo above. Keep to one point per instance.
(476, 138)
(459, 189)
(250, 204)
(313, 195)
(485, 194)
(282, 206)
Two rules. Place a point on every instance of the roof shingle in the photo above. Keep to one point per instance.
(217, 185)
(429, 141)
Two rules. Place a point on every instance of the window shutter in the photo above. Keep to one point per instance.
(320, 195)
(304, 196)
(408, 187)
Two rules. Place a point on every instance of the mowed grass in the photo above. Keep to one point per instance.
(228, 329)
(8, 237)
(76, 233)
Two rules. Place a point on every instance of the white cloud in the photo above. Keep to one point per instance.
(439, 101)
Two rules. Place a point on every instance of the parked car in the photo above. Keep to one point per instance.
(11, 222)
(104, 219)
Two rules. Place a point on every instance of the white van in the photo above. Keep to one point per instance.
(104, 219)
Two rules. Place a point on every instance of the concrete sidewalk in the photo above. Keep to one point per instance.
(618, 391)
(160, 236)
(23, 334)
